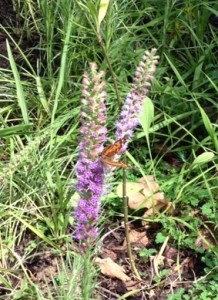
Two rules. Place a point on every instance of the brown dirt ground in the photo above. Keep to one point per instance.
(13, 25)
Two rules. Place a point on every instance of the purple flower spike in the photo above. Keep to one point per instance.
(91, 173)
(89, 169)
(128, 118)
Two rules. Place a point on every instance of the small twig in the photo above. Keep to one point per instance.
(128, 244)
(106, 293)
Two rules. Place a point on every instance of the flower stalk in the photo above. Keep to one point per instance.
(128, 118)
(89, 168)
(127, 122)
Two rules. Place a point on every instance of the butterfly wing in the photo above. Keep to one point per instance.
(115, 163)
(111, 150)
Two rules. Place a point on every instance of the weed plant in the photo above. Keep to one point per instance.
(39, 114)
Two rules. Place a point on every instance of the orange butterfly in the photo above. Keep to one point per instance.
(110, 150)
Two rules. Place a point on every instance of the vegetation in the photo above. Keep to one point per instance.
(48, 49)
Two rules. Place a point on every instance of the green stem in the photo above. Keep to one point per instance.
(86, 279)
(99, 39)
(110, 68)
(128, 244)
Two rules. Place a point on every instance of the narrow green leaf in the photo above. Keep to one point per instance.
(102, 11)
(5, 282)
(63, 67)
(16, 129)
(209, 127)
(19, 88)
(198, 72)
(203, 158)
(92, 9)
(206, 121)
(42, 96)
(38, 232)
(146, 116)
(173, 66)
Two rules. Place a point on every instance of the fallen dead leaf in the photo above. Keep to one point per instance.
(143, 194)
(205, 240)
(138, 238)
(149, 183)
(159, 202)
(170, 252)
(132, 285)
(111, 269)
(108, 253)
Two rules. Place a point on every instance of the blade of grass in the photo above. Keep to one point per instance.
(62, 69)
(16, 129)
(19, 87)
(209, 127)
(146, 116)
(39, 233)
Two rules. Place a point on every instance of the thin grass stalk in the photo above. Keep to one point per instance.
(110, 68)
(62, 69)
(86, 277)
(19, 87)
(128, 244)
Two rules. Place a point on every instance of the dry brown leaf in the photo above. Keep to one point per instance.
(205, 240)
(159, 202)
(138, 238)
(108, 253)
(141, 193)
(149, 183)
(131, 188)
(170, 252)
(144, 194)
(111, 269)
(132, 285)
